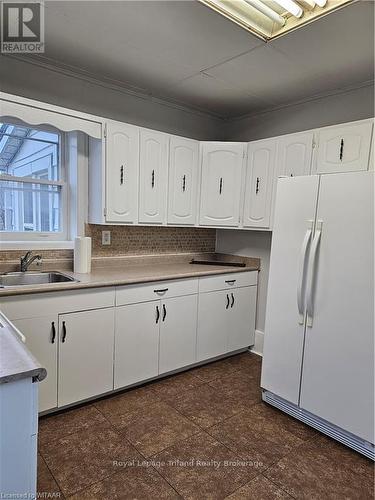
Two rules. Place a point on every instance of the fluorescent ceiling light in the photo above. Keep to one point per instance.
(291, 7)
(269, 19)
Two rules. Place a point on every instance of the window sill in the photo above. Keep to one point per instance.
(36, 245)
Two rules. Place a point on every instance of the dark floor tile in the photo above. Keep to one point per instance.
(81, 459)
(206, 405)
(259, 488)
(170, 388)
(122, 407)
(156, 427)
(214, 370)
(202, 468)
(248, 363)
(60, 425)
(46, 484)
(142, 483)
(259, 435)
(241, 387)
(311, 473)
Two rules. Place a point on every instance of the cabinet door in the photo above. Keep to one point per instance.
(178, 333)
(212, 324)
(294, 154)
(344, 149)
(122, 162)
(41, 339)
(222, 165)
(153, 176)
(241, 330)
(183, 181)
(136, 343)
(259, 183)
(85, 355)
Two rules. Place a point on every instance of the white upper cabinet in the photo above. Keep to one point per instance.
(222, 167)
(294, 154)
(259, 183)
(153, 176)
(122, 162)
(344, 148)
(183, 181)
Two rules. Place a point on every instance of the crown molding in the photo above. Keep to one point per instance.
(316, 97)
(112, 84)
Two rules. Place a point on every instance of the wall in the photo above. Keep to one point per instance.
(140, 240)
(54, 87)
(349, 105)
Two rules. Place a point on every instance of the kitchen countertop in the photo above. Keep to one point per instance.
(16, 361)
(116, 272)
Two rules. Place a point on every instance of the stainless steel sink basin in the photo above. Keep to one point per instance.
(33, 278)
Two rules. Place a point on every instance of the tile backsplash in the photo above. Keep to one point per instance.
(149, 240)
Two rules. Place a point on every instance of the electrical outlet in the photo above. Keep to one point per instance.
(106, 237)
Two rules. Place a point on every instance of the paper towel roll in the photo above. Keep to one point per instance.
(82, 254)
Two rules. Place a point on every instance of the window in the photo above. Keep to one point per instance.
(32, 187)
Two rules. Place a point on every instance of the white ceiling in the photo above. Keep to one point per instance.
(187, 53)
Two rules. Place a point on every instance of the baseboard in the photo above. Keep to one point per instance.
(258, 343)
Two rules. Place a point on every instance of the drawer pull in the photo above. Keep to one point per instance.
(164, 312)
(161, 290)
(157, 314)
(232, 303)
(230, 282)
(63, 337)
(53, 332)
(226, 307)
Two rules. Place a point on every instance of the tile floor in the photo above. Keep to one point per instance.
(203, 434)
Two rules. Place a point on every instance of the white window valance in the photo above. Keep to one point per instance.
(35, 113)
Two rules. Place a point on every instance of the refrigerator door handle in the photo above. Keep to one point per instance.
(311, 273)
(302, 273)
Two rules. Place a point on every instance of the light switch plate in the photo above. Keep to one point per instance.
(106, 237)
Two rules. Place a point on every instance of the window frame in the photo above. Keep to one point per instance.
(20, 239)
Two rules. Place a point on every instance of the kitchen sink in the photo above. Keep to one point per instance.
(33, 278)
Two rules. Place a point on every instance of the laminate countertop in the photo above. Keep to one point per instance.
(116, 273)
(16, 361)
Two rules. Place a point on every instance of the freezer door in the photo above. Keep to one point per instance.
(338, 367)
(284, 330)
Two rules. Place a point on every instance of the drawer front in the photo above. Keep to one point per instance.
(132, 294)
(227, 281)
(42, 304)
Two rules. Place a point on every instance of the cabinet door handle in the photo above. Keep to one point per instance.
(157, 315)
(153, 179)
(232, 303)
(341, 149)
(164, 312)
(228, 301)
(184, 183)
(257, 185)
(221, 185)
(63, 337)
(53, 328)
(122, 175)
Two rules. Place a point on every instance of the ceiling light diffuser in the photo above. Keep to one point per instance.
(269, 19)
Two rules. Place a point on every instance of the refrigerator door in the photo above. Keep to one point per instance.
(285, 318)
(338, 366)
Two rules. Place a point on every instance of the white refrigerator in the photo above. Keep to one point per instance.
(318, 360)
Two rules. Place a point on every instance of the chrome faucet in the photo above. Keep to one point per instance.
(28, 259)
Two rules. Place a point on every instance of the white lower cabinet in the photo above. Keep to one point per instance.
(85, 355)
(226, 321)
(136, 343)
(212, 327)
(41, 339)
(178, 330)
